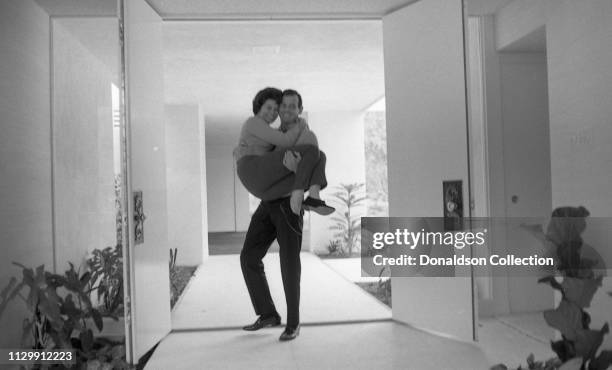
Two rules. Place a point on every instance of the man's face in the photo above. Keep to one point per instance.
(289, 109)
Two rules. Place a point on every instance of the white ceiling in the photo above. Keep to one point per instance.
(336, 65)
(296, 9)
(79, 7)
(261, 9)
(270, 9)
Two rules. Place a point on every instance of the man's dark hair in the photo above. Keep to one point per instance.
(266, 94)
(291, 92)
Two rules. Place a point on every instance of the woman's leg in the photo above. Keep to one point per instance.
(318, 181)
(267, 178)
(311, 156)
(310, 174)
(264, 176)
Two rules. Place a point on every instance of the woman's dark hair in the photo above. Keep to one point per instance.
(266, 94)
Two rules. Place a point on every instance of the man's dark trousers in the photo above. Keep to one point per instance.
(273, 220)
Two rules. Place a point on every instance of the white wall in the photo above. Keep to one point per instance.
(84, 200)
(579, 42)
(495, 300)
(520, 18)
(228, 200)
(579, 51)
(25, 153)
(426, 144)
(340, 135)
(186, 222)
(221, 182)
(243, 213)
(151, 288)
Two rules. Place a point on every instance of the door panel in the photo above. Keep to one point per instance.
(150, 292)
(524, 90)
(427, 144)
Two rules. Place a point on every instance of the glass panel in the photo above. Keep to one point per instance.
(85, 136)
(66, 165)
(541, 148)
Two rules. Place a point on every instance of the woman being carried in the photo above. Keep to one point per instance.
(262, 150)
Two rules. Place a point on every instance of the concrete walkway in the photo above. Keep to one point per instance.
(380, 345)
(343, 327)
(216, 296)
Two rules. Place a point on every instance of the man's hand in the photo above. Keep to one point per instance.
(291, 160)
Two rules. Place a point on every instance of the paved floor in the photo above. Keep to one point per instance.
(382, 345)
(350, 268)
(343, 327)
(510, 339)
(216, 296)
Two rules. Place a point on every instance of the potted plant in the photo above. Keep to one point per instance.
(106, 282)
(60, 315)
(580, 278)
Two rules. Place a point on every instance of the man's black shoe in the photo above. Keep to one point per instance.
(263, 322)
(290, 333)
(318, 206)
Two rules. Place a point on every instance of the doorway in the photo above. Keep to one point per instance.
(215, 68)
(511, 150)
(402, 70)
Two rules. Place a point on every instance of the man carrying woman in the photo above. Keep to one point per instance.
(278, 167)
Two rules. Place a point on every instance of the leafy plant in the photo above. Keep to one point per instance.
(375, 141)
(551, 364)
(579, 344)
(174, 288)
(348, 222)
(384, 287)
(59, 321)
(118, 209)
(334, 247)
(106, 267)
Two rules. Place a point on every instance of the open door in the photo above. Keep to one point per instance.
(147, 254)
(425, 89)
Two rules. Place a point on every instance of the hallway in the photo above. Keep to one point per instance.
(216, 297)
(343, 327)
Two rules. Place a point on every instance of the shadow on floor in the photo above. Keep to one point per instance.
(229, 243)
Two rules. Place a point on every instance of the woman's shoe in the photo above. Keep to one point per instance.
(317, 206)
